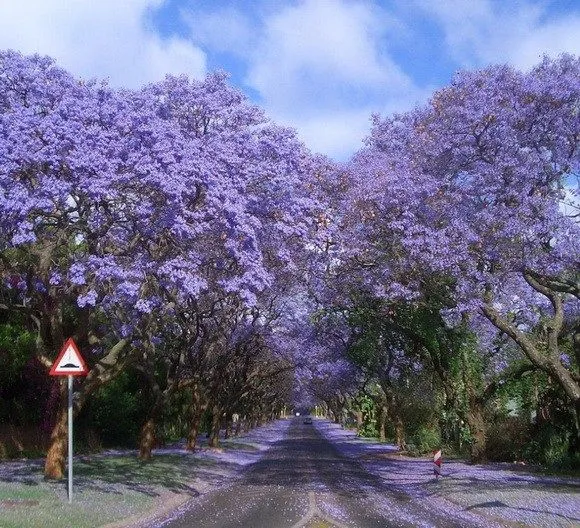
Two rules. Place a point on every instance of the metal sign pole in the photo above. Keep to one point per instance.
(70, 438)
(69, 363)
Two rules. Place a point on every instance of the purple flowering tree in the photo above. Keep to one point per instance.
(261, 217)
(77, 200)
(118, 208)
(469, 189)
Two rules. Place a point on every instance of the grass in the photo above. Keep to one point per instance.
(238, 446)
(171, 472)
(106, 489)
(46, 505)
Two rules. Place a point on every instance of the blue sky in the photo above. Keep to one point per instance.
(320, 66)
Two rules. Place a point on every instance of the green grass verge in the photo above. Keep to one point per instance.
(239, 446)
(106, 489)
(46, 505)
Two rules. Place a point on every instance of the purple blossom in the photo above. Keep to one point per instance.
(55, 278)
(144, 306)
(88, 299)
(76, 274)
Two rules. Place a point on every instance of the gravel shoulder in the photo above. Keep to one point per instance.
(501, 495)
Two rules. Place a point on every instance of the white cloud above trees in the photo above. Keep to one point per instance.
(311, 49)
(480, 32)
(104, 38)
(317, 65)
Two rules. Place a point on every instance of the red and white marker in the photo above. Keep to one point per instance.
(69, 361)
(437, 461)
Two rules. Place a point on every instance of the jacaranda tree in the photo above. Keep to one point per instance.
(468, 190)
(119, 206)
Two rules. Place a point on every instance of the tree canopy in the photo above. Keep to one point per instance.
(183, 237)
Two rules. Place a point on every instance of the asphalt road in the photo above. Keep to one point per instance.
(303, 481)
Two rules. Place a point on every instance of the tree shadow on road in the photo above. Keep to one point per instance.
(498, 504)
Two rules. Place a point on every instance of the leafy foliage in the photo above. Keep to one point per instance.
(202, 257)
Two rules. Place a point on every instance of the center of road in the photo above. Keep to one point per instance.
(314, 518)
(303, 481)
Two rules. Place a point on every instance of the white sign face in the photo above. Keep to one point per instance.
(69, 362)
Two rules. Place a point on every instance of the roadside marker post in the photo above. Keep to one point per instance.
(437, 461)
(69, 363)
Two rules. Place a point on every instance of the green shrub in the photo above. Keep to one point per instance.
(368, 429)
(506, 439)
(367, 407)
(426, 439)
(548, 446)
(114, 415)
(24, 384)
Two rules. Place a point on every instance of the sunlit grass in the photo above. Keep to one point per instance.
(45, 504)
(106, 489)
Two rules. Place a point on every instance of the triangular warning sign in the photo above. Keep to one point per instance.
(69, 361)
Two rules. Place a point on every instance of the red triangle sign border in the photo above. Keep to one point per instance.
(57, 370)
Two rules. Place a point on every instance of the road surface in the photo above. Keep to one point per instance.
(303, 481)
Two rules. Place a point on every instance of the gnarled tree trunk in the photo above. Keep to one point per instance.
(147, 439)
(478, 429)
(197, 409)
(56, 455)
(399, 431)
(216, 421)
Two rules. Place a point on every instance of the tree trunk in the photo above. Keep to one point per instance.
(475, 412)
(549, 363)
(399, 431)
(244, 426)
(358, 415)
(194, 431)
(55, 458)
(477, 426)
(197, 408)
(336, 412)
(391, 407)
(229, 425)
(214, 437)
(382, 422)
(147, 439)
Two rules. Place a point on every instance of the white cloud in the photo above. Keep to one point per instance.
(335, 134)
(104, 38)
(321, 67)
(322, 52)
(339, 133)
(318, 66)
(482, 31)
